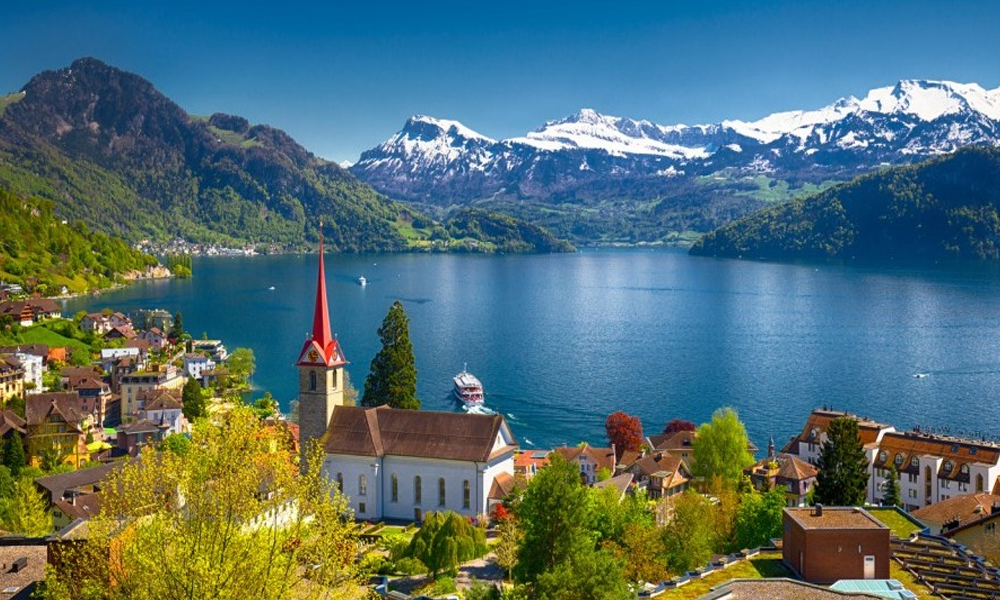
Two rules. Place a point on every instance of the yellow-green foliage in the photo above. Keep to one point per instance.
(230, 518)
(44, 254)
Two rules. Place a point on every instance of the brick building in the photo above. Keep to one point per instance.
(827, 544)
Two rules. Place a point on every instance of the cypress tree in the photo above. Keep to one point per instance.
(192, 400)
(843, 468)
(392, 379)
(891, 495)
(13, 456)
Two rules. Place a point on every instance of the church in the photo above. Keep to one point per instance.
(391, 463)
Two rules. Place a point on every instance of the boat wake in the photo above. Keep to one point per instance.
(479, 409)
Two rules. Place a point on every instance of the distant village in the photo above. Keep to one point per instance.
(849, 507)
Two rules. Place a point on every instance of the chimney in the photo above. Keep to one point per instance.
(819, 511)
(770, 446)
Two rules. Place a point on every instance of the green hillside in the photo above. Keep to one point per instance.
(946, 208)
(43, 254)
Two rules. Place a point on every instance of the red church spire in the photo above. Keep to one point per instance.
(322, 348)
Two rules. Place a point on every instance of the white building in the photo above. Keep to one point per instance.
(164, 408)
(401, 464)
(195, 365)
(931, 468)
(33, 369)
(110, 356)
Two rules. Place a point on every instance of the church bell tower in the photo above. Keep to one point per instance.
(321, 369)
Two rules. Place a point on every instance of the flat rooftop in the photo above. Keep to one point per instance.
(835, 517)
(779, 589)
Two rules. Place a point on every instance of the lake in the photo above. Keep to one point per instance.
(560, 341)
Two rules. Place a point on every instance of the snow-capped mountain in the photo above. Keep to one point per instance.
(441, 161)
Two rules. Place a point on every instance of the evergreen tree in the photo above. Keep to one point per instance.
(393, 376)
(891, 496)
(178, 328)
(13, 456)
(193, 400)
(843, 468)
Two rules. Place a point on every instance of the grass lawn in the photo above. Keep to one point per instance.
(759, 567)
(909, 582)
(899, 524)
(40, 334)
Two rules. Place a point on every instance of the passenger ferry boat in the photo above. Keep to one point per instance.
(362, 281)
(467, 388)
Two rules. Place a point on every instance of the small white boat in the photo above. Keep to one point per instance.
(271, 288)
(468, 389)
(362, 281)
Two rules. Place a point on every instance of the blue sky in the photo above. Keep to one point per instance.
(340, 79)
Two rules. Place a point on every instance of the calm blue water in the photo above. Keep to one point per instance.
(561, 341)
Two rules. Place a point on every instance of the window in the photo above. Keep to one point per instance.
(979, 484)
(911, 493)
(362, 485)
(361, 508)
(899, 459)
(340, 482)
(312, 381)
(946, 484)
(915, 462)
(395, 488)
(335, 372)
(441, 495)
(417, 492)
(948, 466)
(964, 469)
(466, 492)
(882, 456)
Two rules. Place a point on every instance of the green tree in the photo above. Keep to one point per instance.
(13, 455)
(242, 364)
(265, 406)
(177, 443)
(758, 518)
(26, 512)
(6, 482)
(891, 496)
(555, 513)
(177, 330)
(446, 540)
(193, 400)
(508, 544)
(594, 575)
(689, 538)
(720, 448)
(221, 540)
(843, 467)
(392, 379)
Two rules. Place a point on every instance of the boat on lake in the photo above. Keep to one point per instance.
(468, 389)
(362, 281)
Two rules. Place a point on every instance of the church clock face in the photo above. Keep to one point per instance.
(313, 356)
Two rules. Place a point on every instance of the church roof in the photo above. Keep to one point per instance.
(321, 349)
(386, 431)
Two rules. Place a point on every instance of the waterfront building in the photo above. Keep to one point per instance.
(195, 365)
(592, 461)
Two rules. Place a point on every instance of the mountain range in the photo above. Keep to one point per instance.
(106, 148)
(599, 178)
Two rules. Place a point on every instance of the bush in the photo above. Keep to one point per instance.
(410, 566)
(441, 586)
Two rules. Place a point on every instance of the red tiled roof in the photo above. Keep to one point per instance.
(603, 458)
(962, 509)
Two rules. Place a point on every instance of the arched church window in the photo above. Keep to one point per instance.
(312, 381)
(441, 494)
(417, 492)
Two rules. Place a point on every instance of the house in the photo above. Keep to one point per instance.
(97, 323)
(195, 365)
(44, 308)
(40, 350)
(33, 365)
(662, 475)
(401, 464)
(593, 462)
(56, 422)
(121, 332)
(620, 483)
(133, 436)
(148, 319)
(139, 344)
(11, 378)
(528, 462)
(76, 507)
(156, 338)
(94, 397)
(10, 423)
(214, 348)
(64, 486)
(167, 378)
(807, 444)
(117, 319)
(933, 468)
(163, 407)
(826, 544)
(949, 515)
(787, 472)
(679, 444)
(24, 561)
(123, 366)
(19, 312)
(110, 356)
